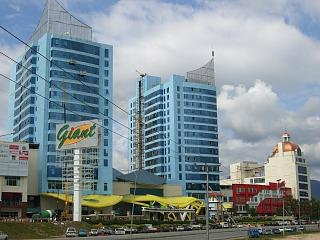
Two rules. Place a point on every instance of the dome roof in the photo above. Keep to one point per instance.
(287, 145)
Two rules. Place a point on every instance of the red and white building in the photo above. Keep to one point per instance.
(266, 199)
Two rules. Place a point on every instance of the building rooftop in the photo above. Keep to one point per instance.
(140, 176)
(57, 20)
(204, 74)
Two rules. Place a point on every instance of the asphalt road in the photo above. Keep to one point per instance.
(216, 234)
(183, 235)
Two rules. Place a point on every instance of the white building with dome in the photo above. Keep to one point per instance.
(288, 163)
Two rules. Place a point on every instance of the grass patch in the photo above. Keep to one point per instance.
(17, 230)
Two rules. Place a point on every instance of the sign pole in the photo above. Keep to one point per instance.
(76, 186)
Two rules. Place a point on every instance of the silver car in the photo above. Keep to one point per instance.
(71, 232)
(3, 236)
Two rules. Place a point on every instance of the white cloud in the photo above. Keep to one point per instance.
(250, 41)
(5, 64)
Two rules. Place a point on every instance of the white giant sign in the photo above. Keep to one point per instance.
(77, 135)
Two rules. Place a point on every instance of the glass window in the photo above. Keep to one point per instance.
(302, 170)
(54, 171)
(76, 67)
(78, 46)
(303, 178)
(105, 187)
(106, 53)
(73, 56)
(12, 181)
(303, 186)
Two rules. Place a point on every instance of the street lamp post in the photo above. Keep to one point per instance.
(283, 213)
(132, 210)
(207, 202)
(299, 214)
(278, 193)
(134, 196)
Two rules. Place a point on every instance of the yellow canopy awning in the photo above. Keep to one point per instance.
(94, 201)
(102, 201)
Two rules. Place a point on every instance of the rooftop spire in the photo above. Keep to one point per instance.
(55, 19)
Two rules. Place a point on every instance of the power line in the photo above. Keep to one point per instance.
(52, 84)
(56, 65)
(20, 40)
(7, 134)
(62, 106)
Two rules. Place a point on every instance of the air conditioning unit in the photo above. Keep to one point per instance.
(72, 62)
(82, 73)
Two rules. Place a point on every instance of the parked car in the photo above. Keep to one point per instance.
(288, 229)
(94, 232)
(107, 231)
(276, 231)
(224, 224)
(300, 229)
(119, 231)
(253, 233)
(82, 233)
(295, 222)
(71, 232)
(150, 228)
(129, 229)
(180, 228)
(267, 231)
(195, 226)
(3, 236)
(214, 226)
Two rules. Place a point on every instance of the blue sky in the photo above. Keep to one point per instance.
(267, 56)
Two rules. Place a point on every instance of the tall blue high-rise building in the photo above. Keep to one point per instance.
(179, 130)
(74, 58)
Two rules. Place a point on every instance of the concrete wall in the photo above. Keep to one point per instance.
(22, 188)
(172, 190)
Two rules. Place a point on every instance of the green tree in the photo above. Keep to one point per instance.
(252, 212)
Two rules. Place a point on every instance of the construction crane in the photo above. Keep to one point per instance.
(139, 125)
